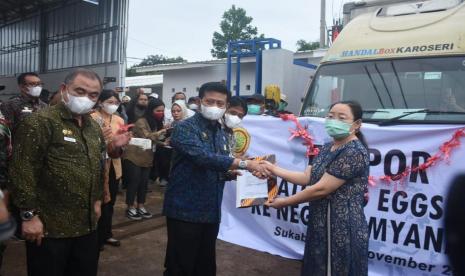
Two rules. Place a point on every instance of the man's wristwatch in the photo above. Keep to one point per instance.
(243, 164)
(28, 215)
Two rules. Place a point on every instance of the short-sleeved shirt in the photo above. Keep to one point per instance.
(340, 214)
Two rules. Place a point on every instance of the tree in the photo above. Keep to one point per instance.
(152, 60)
(303, 45)
(234, 26)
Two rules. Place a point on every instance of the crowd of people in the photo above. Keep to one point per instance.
(62, 163)
(65, 155)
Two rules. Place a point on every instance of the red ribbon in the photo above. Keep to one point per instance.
(444, 154)
(302, 133)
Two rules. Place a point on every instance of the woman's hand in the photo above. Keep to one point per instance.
(107, 133)
(161, 132)
(277, 203)
(270, 167)
(121, 140)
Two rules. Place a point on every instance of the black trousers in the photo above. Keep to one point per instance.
(163, 162)
(106, 219)
(63, 257)
(137, 181)
(191, 249)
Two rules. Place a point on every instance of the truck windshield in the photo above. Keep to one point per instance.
(405, 90)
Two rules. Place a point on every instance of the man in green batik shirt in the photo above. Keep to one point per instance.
(56, 174)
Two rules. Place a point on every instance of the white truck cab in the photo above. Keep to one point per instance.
(403, 63)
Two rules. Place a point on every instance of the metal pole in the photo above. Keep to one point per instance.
(43, 42)
(228, 67)
(238, 74)
(323, 24)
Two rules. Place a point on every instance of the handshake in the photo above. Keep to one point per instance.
(259, 168)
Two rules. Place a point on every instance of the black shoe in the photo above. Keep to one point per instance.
(133, 214)
(144, 213)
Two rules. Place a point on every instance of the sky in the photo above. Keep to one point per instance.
(185, 27)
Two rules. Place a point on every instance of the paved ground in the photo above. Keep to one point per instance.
(143, 248)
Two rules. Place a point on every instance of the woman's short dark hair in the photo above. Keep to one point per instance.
(214, 87)
(106, 94)
(357, 112)
(239, 102)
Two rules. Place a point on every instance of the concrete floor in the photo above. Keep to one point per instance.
(143, 250)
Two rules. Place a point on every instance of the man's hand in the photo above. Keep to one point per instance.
(4, 215)
(98, 209)
(257, 168)
(106, 196)
(121, 140)
(233, 174)
(277, 203)
(33, 230)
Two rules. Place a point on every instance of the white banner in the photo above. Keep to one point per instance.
(405, 221)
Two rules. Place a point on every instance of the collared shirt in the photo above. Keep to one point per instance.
(201, 157)
(57, 169)
(19, 107)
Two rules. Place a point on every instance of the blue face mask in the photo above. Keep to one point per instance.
(337, 129)
(253, 109)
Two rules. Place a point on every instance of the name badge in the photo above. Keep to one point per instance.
(70, 139)
(26, 110)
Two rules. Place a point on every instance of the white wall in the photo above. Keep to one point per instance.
(191, 79)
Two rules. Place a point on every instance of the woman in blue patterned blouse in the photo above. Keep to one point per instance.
(337, 234)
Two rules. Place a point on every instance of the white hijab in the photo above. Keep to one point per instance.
(182, 105)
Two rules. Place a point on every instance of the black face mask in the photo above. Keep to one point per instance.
(141, 106)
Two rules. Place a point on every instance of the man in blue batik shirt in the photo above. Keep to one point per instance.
(193, 197)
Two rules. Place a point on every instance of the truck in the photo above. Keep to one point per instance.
(403, 63)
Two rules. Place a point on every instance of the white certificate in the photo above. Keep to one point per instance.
(145, 144)
(249, 187)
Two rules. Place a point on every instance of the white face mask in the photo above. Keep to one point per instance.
(213, 113)
(34, 91)
(79, 105)
(232, 121)
(193, 107)
(110, 108)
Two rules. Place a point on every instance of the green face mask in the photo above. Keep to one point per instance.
(282, 106)
(253, 109)
(337, 129)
